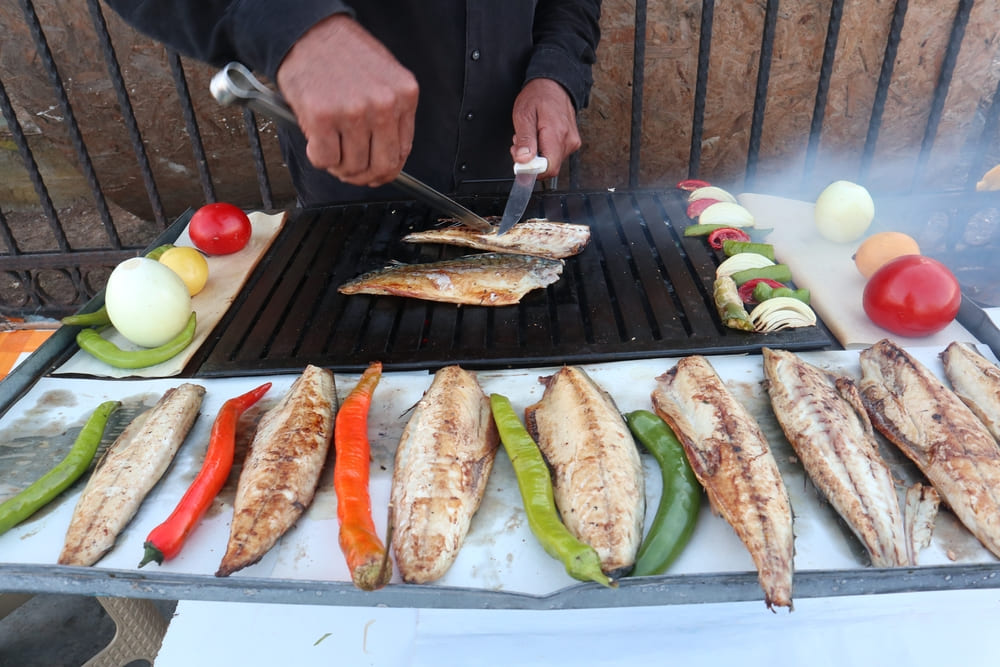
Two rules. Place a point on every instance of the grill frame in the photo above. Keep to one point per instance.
(639, 290)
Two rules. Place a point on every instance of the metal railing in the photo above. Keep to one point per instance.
(56, 281)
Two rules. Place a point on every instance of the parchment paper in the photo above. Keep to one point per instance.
(226, 276)
(828, 270)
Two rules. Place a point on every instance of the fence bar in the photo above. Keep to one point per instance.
(191, 123)
(701, 86)
(882, 90)
(822, 89)
(760, 95)
(638, 81)
(943, 84)
(253, 136)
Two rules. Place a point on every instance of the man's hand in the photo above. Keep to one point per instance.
(354, 102)
(544, 123)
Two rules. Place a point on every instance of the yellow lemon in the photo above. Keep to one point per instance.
(189, 264)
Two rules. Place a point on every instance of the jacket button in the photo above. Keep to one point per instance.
(463, 167)
(475, 54)
(469, 116)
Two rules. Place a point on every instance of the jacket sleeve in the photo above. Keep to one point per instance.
(566, 33)
(257, 33)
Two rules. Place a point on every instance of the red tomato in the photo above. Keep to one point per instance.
(912, 296)
(220, 229)
(721, 234)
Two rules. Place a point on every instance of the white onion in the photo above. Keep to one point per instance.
(146, 301)
(844, 211)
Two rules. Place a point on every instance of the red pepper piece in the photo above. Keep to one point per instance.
(366, 555)
(716, 238)
(746, 289)
(692, 184)
(166, 540)
(696, 207)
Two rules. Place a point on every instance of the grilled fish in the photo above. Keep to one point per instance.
(597, 475)
(824, 421)
(732, 459)
(976, 381)
(489, 279)
(442, 465)
(282, 468)
(535, 236)
(935, 429)
(129, 470)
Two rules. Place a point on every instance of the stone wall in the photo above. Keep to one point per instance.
(670, 70)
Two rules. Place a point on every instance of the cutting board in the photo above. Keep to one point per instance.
(828, 270)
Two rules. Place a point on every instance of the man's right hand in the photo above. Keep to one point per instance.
(354, 102)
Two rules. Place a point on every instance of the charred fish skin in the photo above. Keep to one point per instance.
(442, 467)
(976, 381)
(536, 236)
(939, 433)
(597, 474)
(282, 468)
(829, 430)
(733, 461)
(129, 470)
(487, 279)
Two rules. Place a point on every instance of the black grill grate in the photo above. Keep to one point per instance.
(639, 290)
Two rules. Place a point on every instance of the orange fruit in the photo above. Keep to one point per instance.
(879, 248)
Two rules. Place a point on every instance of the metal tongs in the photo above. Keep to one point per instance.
(234, 83)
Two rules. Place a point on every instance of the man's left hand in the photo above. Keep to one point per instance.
(545, 124)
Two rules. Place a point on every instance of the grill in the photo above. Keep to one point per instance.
(639, 290)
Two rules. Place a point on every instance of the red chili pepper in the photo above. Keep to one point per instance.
(721, 234)
(696, 207)
(166, 540)
(367, 558)
(746, 289)
(691, 184)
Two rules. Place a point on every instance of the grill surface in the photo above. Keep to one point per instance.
(639, 290)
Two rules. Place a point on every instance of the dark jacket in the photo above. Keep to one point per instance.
(470, 59)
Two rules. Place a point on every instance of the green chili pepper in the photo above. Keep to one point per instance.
(733, 247)
(702, 229)
(98, 318)
(534, 481)
(97, 346)
(158, 251)
(67, 471)
(762, 292)
(779, 272)
(680, 501)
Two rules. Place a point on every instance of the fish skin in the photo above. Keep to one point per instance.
(442, 466)
(536, 236)
(126, 474)
(282, 468)
(733, 461)
(597, 474)
(488, 279)
(938, 432)
(823, 419)
(976, 381)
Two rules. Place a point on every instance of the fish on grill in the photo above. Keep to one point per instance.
(938, 432)
(597, 474)
(442, 466)
(536, 236)
(127, 472)
(282, 468)
(976, 381)
(733, 461)
(825, 422)
(488, 279)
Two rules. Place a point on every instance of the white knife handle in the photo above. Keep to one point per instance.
(537, 165)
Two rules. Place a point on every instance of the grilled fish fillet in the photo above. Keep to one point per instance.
(442, 466)
(597, 476)
(823, 419)
(489, 279)
(535, 236)
(282, 468)
(732, 459)
(129, 470)
(976, 381)
(935, 429)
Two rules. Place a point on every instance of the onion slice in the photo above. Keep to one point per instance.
(782, 312)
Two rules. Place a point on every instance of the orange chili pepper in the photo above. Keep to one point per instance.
(166, 540)
(367, 558)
